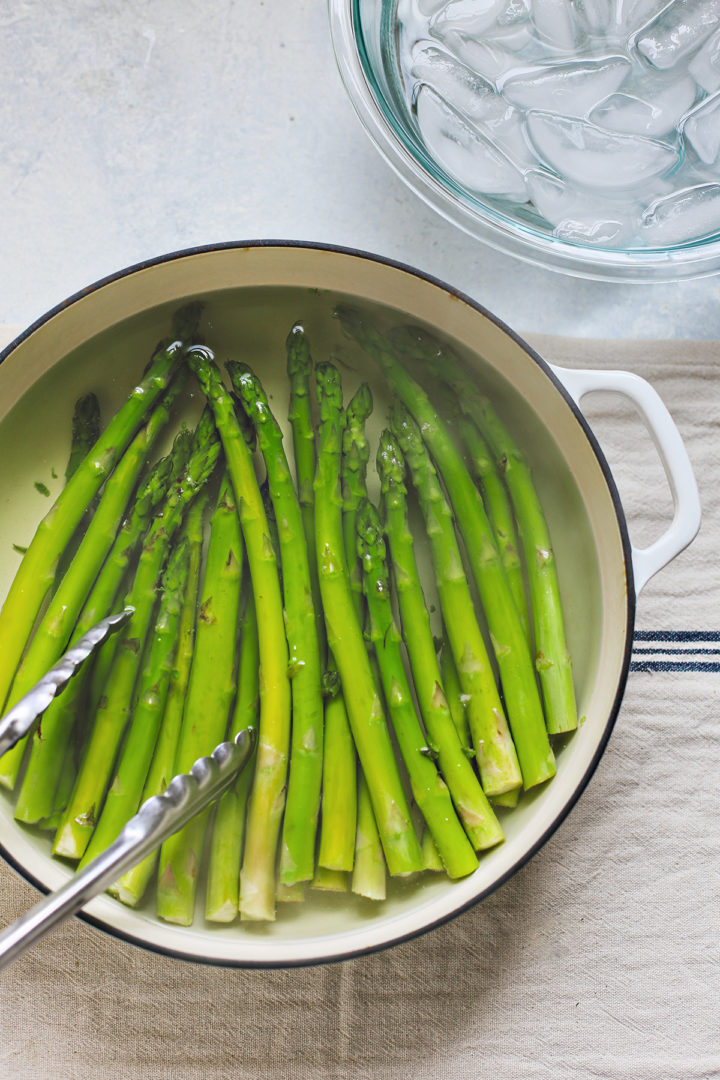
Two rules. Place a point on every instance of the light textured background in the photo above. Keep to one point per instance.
(598, 959)
(130, 129)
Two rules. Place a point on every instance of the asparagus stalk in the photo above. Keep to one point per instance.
(499, 511)
(431, 856)
(330, 880)
(222, 897)
(113, 710)
(85, 432)
(131, 887)
(345, 638)
(61, 720)
(368, 876)
(510, 645)
(475, 812)
(356, 453)
(428, 786)
(125, 792)
(299, 368)
(336, 850)
(209, 700)
(56, 626)
(257, 879)
(454, 695)
(552, 658)
(37, 569)
(297, 852)
(494, 749)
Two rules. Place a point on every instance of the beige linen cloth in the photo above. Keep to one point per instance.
(599, 959)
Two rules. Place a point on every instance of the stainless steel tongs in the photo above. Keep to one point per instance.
(158, 818)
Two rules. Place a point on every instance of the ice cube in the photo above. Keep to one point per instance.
(677, 31)
(596, 158)
(515, 11)
(632, 14)
(579, 215)
(464, 151)
(651, 108)
(515, 37)
(705, 65)
(466, 16)
(690, 214)
(701, 128)
(598, 15)
(488, 59)
(469, 93)
(555, 22)
(568, 87)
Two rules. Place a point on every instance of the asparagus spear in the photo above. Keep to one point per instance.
(85, 432)
(494, 749)
(552, 657)
(209, 699)
(368, 876)
(60, 720)
(299, 368)
(222, 898)
(56, 626)
(345, 638)
(132, 885)
(37, 569)
(257, 879)
(125, 792)
(510, 645)
(429, 788)
(499, 511)
(475, 812)
(297, 852)
(112, 713)
(336, 850)
(454, 695)
(355, 456)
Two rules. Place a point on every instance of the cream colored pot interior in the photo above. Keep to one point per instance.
(253, 295)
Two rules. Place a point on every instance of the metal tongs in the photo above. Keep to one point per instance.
(158, 818)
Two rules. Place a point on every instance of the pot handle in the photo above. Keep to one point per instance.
(673, 455)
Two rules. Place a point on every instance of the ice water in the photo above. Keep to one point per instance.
(596, 120)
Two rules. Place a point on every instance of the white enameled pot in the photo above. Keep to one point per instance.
(100, 340)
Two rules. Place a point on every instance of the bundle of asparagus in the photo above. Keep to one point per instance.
(297, 606)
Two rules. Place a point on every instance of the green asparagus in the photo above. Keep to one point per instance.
(428, 787)
(346, 641)
(267, 797)
(125, 793)
(63, 718)
(112, 713)
(222, 897)
(471, 804)
(297, 852)
(208, 702)
(36, 573)
(132, 885)
(56, 626)
(510, 645)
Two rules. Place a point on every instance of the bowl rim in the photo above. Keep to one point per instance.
(631, 598)
(697, 259)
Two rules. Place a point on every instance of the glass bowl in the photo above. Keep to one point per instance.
(367, 49)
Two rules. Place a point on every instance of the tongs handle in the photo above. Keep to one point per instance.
(158, 818)
(21, 719)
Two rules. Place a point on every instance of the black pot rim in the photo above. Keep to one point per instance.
(627, 557)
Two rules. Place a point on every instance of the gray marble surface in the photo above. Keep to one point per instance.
(131, 128)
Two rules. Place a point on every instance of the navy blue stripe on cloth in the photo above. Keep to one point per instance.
(684, 656)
